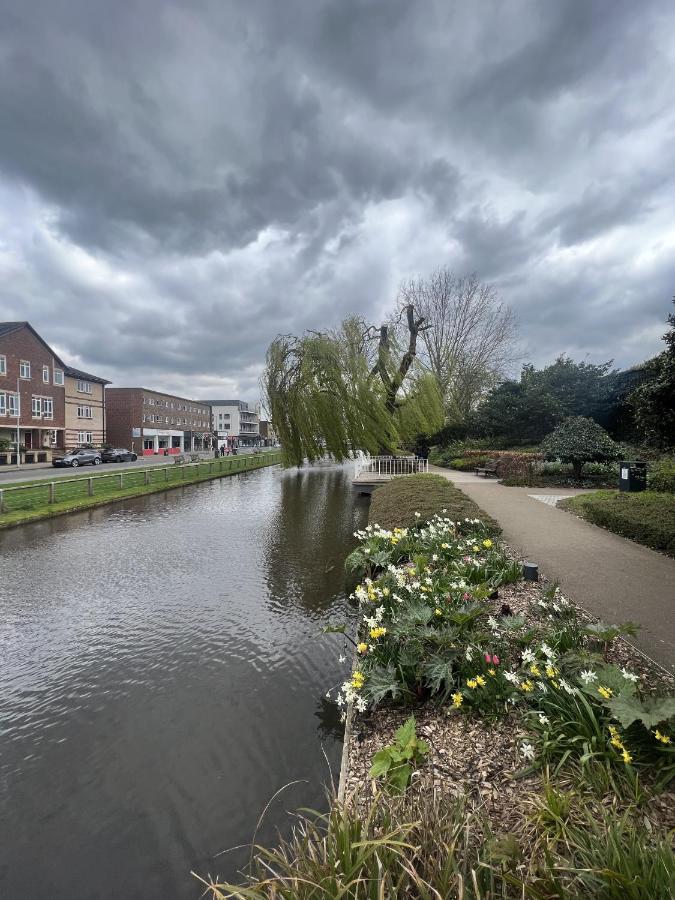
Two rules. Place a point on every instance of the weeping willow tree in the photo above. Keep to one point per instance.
(352, 389)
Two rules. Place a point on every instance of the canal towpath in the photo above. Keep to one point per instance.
(611, 577)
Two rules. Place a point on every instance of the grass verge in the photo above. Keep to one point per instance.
(394, 504)
(32, 504)
(647, 518)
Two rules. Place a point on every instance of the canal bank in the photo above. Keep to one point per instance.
(29, 502)
(161, 663)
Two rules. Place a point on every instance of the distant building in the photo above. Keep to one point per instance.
(267, 433)
(235, 422)
(39, 396)
(151, 422)
(85, 408)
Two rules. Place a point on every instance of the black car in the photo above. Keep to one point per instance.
(118, 454)
(80, 457)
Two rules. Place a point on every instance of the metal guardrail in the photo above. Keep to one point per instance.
(47, 491)
(390, 465)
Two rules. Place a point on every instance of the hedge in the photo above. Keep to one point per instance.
(648, 518)
(395, 503)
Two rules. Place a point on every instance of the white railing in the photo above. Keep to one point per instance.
(390, 466)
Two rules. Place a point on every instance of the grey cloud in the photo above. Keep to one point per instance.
(180, 181)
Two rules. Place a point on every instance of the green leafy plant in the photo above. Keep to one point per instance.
(395, 762)
(578, 440)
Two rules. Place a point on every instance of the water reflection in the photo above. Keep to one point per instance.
(160, 680)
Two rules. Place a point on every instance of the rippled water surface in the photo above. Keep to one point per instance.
(161, 677)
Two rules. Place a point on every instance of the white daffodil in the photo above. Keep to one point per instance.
(527, 750)
(544, 719)
(629, 676)
(588, 676)
(342, 658)
(528, 656)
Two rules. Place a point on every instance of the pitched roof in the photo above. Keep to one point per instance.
(7, 327)
(85, 376)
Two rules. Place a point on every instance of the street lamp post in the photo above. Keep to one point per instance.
(18, 418)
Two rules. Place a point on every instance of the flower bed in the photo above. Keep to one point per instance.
(516, 693)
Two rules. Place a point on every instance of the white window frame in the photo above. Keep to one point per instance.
(36, 407)
(83, 387)
(84, 412)
(47, 408)
(24, 366)
(84, 437)
(3, 365)
(14, 405)
(45, 374)
(3, 403)
(58, 377)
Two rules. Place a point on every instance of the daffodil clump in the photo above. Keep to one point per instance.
(431, 626)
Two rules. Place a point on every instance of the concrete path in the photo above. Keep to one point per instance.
(611, 577)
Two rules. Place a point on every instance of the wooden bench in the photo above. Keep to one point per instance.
(490, 468)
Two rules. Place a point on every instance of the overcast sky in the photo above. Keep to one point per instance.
(180, 181)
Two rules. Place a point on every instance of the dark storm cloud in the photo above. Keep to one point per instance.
(180, 181)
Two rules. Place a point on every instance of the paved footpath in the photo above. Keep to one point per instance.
(611, 577)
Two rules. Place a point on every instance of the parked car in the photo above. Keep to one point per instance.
(79, 457)
(118, 454)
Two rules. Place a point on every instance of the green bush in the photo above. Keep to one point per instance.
(648, 518)
(394, 504)
(468, 465)
(662, 475)
(578, 441)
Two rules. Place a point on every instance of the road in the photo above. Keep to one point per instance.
(51, 473)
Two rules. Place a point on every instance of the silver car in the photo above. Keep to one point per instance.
(80, 457)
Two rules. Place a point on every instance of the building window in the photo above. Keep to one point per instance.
(13, 405)
(47, 408)
(37, 407)
(3, 365)
(24, 369)
(45, 374)
(84, 437)
(58, 376)
(84, 387)
(84, 412)
(3, 403)
(53, 437)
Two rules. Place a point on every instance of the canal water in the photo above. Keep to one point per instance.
(162, 675)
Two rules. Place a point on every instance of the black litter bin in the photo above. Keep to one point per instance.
(632, 476)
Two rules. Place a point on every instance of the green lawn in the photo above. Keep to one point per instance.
(648, 517)
(32, 501)
(394, 504)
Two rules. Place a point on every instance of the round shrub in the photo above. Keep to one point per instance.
(578, 440)
(662, 475)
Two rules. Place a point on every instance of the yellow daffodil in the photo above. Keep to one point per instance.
(445, 546)
(551, 672)
(362, 647)
(534, 669)
(376, 633)
(480, 680)
(613, 730)
(491, 672)
(605, 692)
(475, 548)
(527, 686)
(358, 680)
(487, 543)
(385, 592)
(627, 758)
(662, 737)
(457, 700)
(472, 683)
(439, 612)
(616, 742)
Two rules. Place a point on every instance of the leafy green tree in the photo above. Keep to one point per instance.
(347, 390)
(653, 401)
(579, 440)
(516, 412)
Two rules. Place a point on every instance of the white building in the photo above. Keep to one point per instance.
(236, 422)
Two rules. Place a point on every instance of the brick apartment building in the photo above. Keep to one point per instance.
(150, 422)
(53, 406)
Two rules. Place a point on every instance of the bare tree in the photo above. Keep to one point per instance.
(471, 341)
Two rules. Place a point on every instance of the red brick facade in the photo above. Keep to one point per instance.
(21, 345)
(154, 422)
